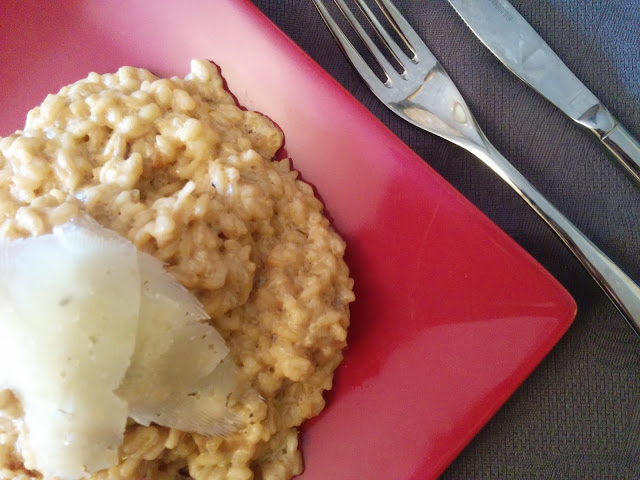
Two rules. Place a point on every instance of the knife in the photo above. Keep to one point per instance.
(516, 44)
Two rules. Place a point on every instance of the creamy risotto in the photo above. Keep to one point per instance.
(188, 177)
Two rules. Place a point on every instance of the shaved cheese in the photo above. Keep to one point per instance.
(70, 304)
(202, 409)
(157, 386)
(93, 331)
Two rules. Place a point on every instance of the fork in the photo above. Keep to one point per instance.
(423, 94)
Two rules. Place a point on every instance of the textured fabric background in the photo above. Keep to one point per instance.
(578, 415)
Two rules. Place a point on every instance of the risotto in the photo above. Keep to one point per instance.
(176, 167)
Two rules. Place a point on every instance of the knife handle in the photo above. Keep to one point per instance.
(625, 148)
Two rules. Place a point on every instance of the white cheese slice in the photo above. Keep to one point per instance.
(171, 336)
(70, 304)
(93, 331)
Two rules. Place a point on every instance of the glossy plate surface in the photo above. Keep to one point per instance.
(451, 314)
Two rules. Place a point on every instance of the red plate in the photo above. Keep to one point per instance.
(451, 314)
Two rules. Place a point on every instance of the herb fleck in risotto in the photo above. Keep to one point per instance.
(185, 175)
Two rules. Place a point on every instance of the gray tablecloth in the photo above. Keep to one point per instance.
(578, 415)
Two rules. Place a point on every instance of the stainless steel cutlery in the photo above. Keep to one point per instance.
(517, 45)
(416, 87)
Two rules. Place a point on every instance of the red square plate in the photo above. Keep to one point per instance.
(451, 314)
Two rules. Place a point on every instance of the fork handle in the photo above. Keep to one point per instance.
(621, 289)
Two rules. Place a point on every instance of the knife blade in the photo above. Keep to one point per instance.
(517, 45)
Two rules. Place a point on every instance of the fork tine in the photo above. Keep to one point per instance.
(391, 44)
(385, 12)
(406, 32)
(388, 69)
(347, 47)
